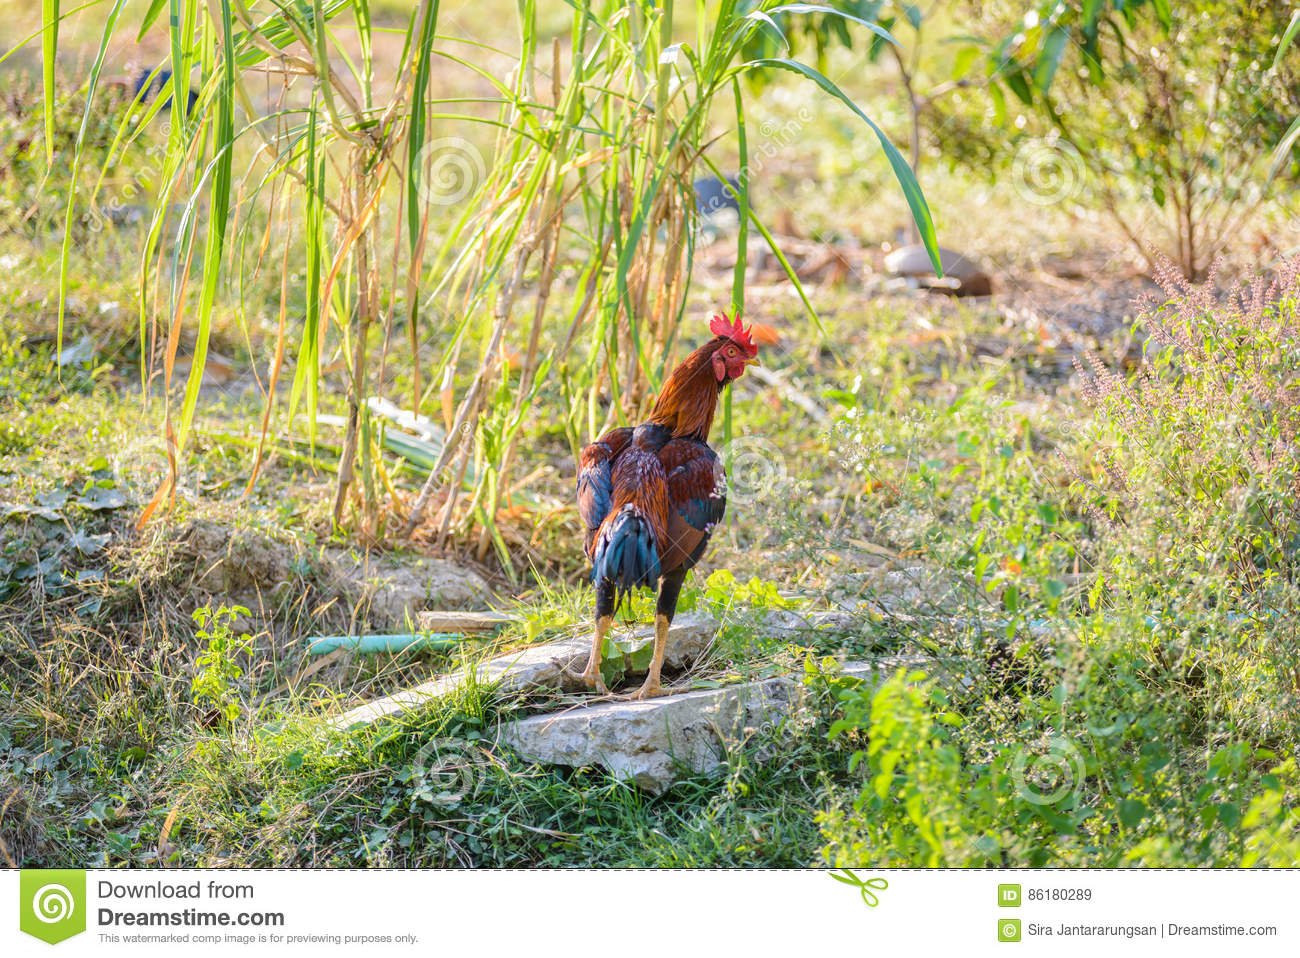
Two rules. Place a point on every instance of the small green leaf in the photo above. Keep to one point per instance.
(1050, 60)
(1229, 814)
(1011, 599)
(963, 61)
(1131, 812)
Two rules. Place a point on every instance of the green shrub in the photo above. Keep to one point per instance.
(1198, 450)
(1149, 714)
(217, 668)
(1064, 782)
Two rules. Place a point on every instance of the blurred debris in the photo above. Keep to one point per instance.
(422, 426)
(140, 85)
(813, 261)
(81, 352)
(961, 277)
(218, 370)
(712, 195)
(791, 393)
(718, 209)
(765, 334)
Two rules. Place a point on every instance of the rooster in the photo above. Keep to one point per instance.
(650, 495)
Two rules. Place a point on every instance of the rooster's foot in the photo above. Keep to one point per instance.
(594, 681)
(650, 690)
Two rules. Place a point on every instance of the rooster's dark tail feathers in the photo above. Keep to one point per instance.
(625, 552)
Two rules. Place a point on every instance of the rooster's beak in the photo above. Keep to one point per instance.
(753, 362)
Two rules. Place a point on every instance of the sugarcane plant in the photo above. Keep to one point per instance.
(563, 266)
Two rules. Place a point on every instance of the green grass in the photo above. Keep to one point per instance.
(291, 797)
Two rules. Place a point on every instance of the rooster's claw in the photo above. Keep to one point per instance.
(593, 680)
(649, 691)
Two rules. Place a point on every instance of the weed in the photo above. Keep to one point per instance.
(216, 669)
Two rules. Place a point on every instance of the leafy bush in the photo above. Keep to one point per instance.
(946, 785)
(1145, 714)
(1200, 445)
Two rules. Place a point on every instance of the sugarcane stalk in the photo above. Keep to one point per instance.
(366, 308)
(469, 405)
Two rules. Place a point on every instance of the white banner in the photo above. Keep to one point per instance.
(660, 913)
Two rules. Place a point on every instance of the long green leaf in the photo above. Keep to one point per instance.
(1287, 37)
(906, 178)
(1283, 148)
(218, 218)
(742, 200)
(179, 35)
(49, 47)
(150, 18)
(423, 51)
(764, 19)
(307, 373)
(875, 28)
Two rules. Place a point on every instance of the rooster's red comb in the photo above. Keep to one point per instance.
(738, 334)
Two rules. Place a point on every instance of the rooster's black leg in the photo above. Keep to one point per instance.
(670, 587)
(604, 618)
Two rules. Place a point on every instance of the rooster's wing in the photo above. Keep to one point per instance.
(697, 497)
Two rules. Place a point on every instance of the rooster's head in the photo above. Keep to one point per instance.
(734, 349)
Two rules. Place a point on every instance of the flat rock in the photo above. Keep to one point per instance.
(554, 665)
(444, 621)
(653, 742)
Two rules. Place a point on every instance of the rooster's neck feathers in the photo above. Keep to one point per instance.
(689, 398)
